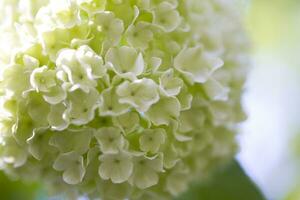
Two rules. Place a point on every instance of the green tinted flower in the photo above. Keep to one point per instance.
(128, 122)
(169, 84)
(116, 167)
(72, 140)
(81, 106)
(56, 118)
(119, 99)
(164, 111)
(125, 61)
(77, 72)
(166, 17)
(151, 139)
(110, 105)
(140, 35)
(72, 166)
(140, 94)
(196, 64)
(145, 172)
(42, 79)
(110, 139)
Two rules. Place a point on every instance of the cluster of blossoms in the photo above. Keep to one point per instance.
(119, 99)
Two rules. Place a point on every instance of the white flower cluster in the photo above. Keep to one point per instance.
(119, 99)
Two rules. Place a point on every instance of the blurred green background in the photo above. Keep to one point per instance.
(270, 139)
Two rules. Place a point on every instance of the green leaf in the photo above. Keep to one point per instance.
(230, 183)
(16, 190)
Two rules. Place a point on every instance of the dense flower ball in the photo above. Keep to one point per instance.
(119, 99)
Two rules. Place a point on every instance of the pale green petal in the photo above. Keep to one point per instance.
(110, 139)
(165, 110)
(128, 121)
(191, 119)
(145, 172)
(215, 90)
(92, 6)
(169, 84)
(56, 119)
(185, 98)
(53, 41)
(55, 95)
(94, 64)
(42, 79)
(151, 139)
(77, 73)
(196, 64)
(74, 175)
(139, 35)
(14, 154)
(72, 140)
(82, 106)
(72, 165)
(110, 105)
(125, 61)
(140, 94)
(38, 143)
(176, 183)
(116, 167)
(170, 156)
(16, 78)
(111, 27)
(38, 109)
(166, 17)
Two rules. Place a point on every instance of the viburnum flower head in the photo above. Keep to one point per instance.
(119, 99)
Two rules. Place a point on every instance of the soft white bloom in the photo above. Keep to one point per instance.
(145, 172)
(140, 94)
(72, 165)
(117, 167)
(42, 79)
(151, 139)
(196, 64)
(119, 99)
(77, 73)
(110, 139)
(125, 61)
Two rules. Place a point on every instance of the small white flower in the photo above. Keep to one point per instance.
(169, 84)
(151, 139)
(139, 35)
(140, 94)
(110, 139)
(72, 165)
(42, 79)
(77, 73)
(110, 105)
(125, 61)
(116, 167)
(196, 64)
(72, 140)
(81, 106)
(145, 172)
(166, 17)
(164, 111)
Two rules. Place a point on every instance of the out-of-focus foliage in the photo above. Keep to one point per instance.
(17, 190)
(230, 183)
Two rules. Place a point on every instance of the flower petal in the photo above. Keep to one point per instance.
(164, 111)
(197, 65)
(117, 167)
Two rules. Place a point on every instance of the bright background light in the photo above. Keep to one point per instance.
(272, 99)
